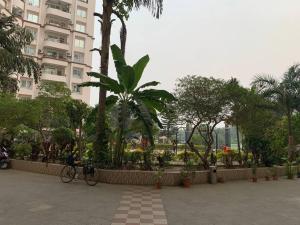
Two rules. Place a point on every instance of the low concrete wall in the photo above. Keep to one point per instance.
(137, 177)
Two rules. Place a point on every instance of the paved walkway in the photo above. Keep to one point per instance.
(34, 199)
(140, 206)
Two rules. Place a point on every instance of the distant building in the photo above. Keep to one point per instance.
(63, 36)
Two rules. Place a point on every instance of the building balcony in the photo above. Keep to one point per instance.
(70, 2)
(56, 44)
(59, 13)
(3, 4)
(59, 61)
(56, 28)
(19, 3)
(52, 77)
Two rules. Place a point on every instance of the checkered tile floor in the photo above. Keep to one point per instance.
(140, 206)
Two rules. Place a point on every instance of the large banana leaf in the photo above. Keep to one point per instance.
(142, 113)
(161, 94)
(139, 69)
(128, 77)
(111, 83)
(111, 101)
(101, 85)
(148, 84)
(119, 61)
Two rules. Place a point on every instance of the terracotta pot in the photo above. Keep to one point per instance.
(221, 180)
(158, 185)
(254, 179)
(186, 182)
(275, 177)
(267, 178)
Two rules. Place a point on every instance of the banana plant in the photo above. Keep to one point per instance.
(140, 102)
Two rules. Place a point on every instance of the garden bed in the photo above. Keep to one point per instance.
(137, 177)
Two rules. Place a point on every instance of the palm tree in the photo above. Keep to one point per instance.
(139, 102)
(120, 8)
(283, 93)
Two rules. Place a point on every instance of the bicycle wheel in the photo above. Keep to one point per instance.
(90, 176)
(67, 174)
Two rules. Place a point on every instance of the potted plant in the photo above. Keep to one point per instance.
(158, 177)
(254, 173)
(186, 174)
(220, 180)
(267, 176)
(274, 173)
(290, 170)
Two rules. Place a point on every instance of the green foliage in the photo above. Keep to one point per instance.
(124, 7)
(139, 103)
(202, 103)
(188, 155)
(13, 39)
(22, 150)
(62, 136)
(133, 157)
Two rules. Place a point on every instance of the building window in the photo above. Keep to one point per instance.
(79, 43)
(30, 50)
(78, 57)
(34, 2)
(32, 17)
(77, 72)
(26, 83)
(81, 12)
(33, 31)
(76, 89)
(80, 27)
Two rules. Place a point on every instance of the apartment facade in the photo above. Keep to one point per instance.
(63, 36)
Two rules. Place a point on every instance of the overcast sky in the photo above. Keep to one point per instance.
(220, 38)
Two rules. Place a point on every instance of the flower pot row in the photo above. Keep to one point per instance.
(267, 178)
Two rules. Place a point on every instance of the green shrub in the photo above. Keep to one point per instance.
(180, 147)
(191, 156)
(62, 136)
(133, 156)
(22, 150)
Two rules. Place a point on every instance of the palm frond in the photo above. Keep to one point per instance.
(155, 6)
(263, 82)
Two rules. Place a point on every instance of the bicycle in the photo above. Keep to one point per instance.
(69, 172)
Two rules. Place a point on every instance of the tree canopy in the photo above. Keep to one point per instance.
(13, 39)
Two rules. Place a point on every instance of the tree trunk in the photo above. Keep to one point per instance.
(238, 143)
(80, 140)
(101, 143)
(290, 133)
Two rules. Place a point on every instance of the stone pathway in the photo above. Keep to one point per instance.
(140, 206)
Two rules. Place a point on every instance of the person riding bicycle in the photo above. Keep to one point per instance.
(72, 158)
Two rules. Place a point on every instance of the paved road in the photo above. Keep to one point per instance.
(235, 203)
(34, 199)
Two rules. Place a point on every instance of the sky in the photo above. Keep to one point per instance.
(219, 38)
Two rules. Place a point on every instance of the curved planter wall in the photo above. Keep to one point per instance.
(136, 177)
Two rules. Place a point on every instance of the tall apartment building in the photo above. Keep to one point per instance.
(63, 36)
